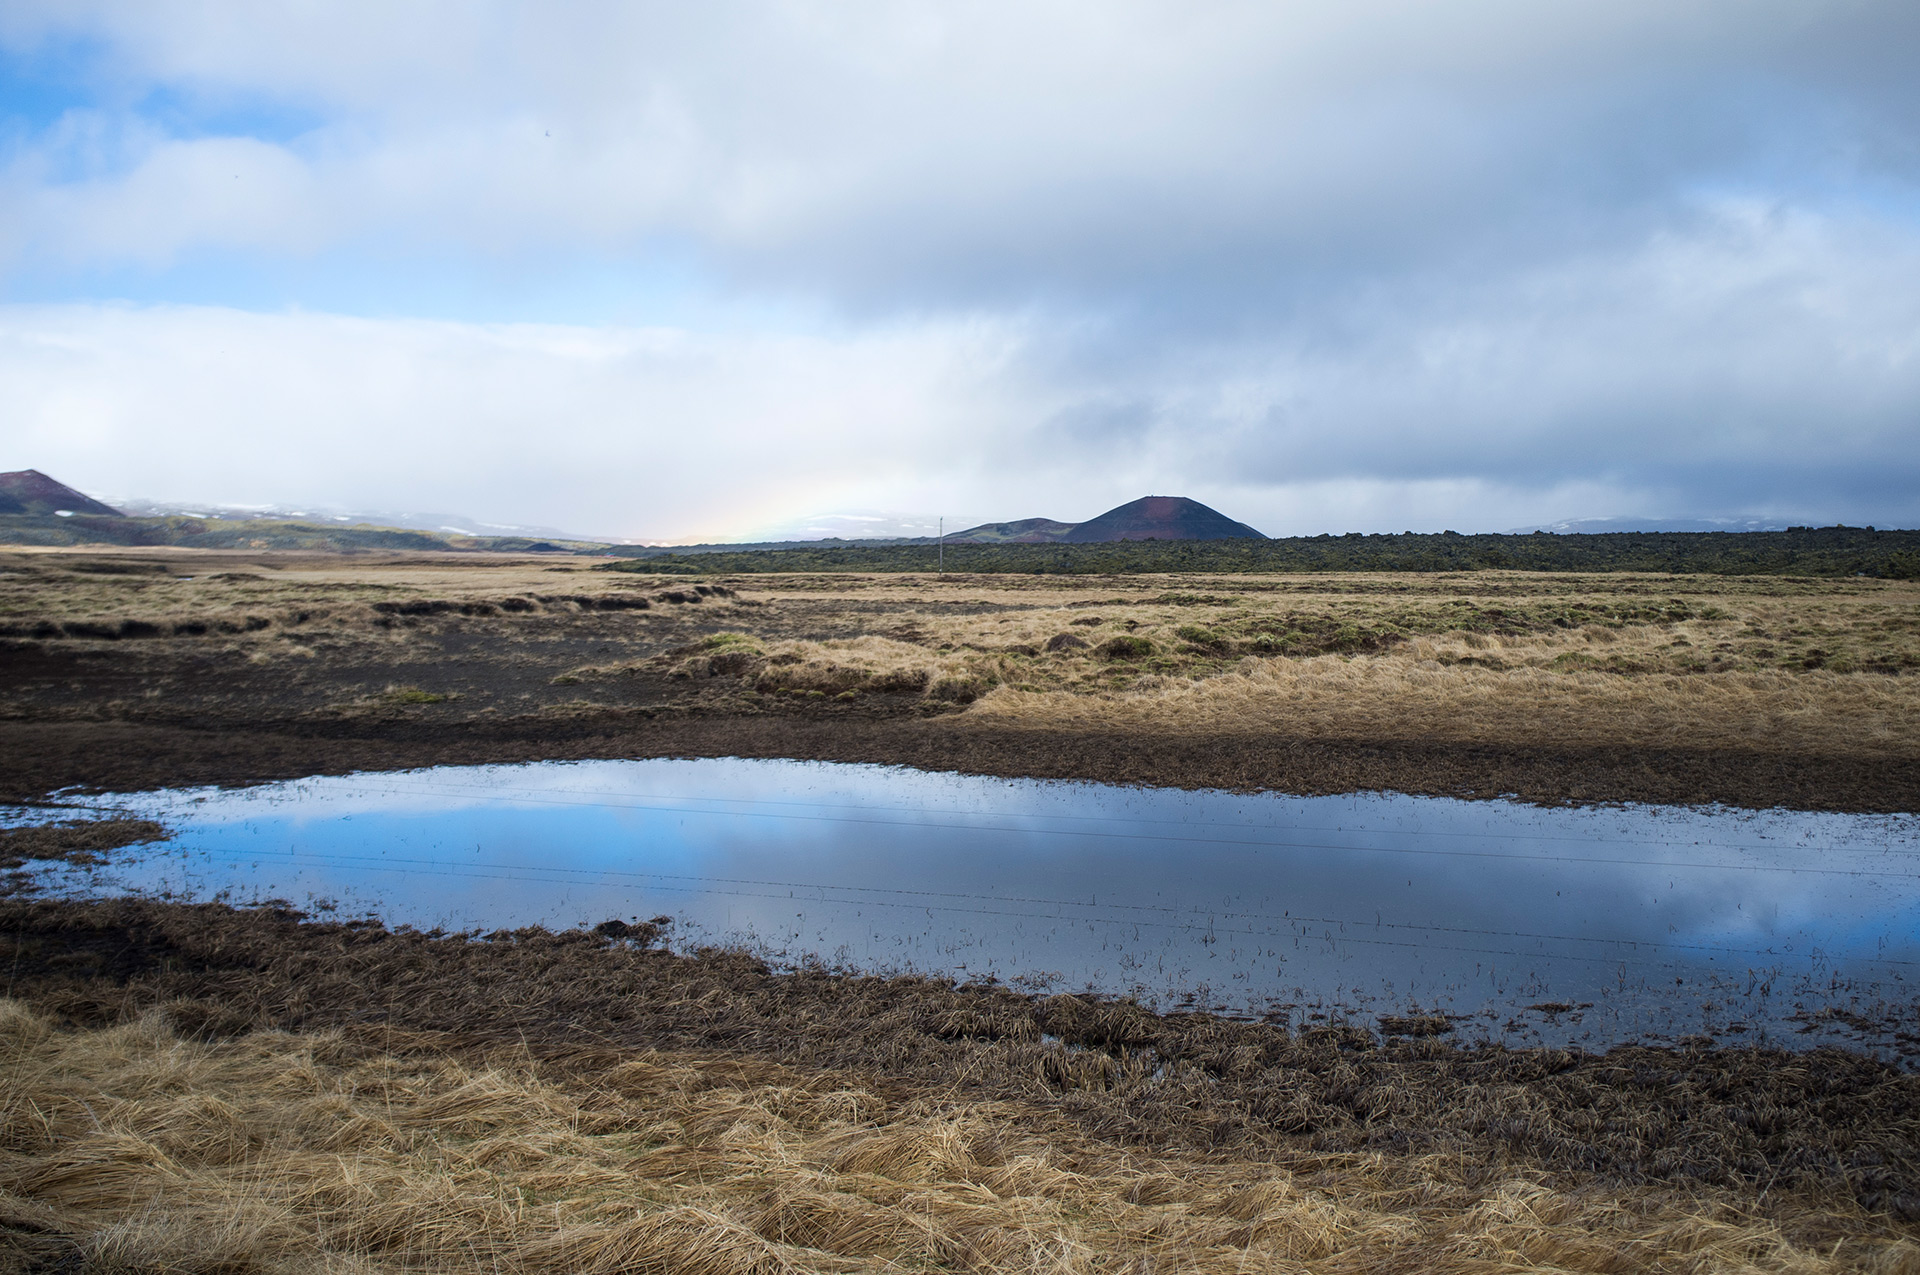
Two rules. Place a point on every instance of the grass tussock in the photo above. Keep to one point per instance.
(402, 696)
(841, 668)
(136, 1147)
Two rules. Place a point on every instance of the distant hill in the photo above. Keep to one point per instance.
(1148, 518)
(28, 491)
(38, 510)
(1027, 531)
(52, 530)
(1160, 518)
(277, 533)
(761, 546)
(320, 515)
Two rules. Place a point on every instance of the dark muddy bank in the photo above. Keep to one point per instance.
(37, 758)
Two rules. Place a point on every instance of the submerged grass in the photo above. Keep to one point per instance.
(77, 841)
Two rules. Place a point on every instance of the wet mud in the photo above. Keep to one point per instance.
(39, 758)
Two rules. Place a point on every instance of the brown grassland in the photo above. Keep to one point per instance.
(145, 667)
(199, 1089)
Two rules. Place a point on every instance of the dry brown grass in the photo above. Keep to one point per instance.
(844, 668)
(131, 1148)
(1408, 693)
(1827, 667)
(1776, 666)
(268, 597)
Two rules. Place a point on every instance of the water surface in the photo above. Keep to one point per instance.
(1522, 923)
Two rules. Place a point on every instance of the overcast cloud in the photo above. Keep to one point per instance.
(677, 271)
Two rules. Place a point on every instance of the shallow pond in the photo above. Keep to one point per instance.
(1588, 926)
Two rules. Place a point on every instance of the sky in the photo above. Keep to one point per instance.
(748, 267)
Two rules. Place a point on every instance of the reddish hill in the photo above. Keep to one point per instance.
(1161, 518)
(28, 491)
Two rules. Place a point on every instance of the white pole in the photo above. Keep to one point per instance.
(943, 543)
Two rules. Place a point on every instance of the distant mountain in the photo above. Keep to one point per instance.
(1027, 531)
(1160, 518)
(849, 524)
(1598, 526)
(764, 546)
(452, 524)
(28, 491)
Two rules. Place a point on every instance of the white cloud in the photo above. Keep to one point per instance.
(1330, 262)
(1764, 363)
(892, 149)
(229, 192)
(644, 433)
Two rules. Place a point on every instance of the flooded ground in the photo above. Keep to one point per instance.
(1532, 925)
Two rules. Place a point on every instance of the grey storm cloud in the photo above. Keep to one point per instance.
(1632, 257)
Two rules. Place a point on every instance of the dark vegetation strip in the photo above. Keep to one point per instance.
(1804, 551)
(1823, 551)
(1827, 1120)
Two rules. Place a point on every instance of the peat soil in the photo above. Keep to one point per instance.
(1825, 1122)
